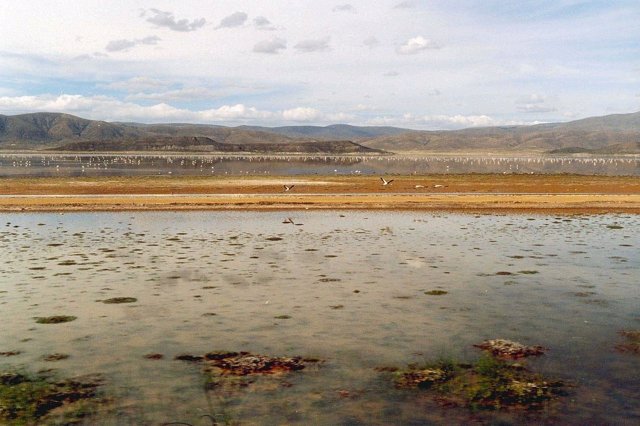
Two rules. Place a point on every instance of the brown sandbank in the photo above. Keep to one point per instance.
(569, 193)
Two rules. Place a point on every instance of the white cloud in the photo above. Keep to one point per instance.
(273, 46)
(107, 108)
(490, 55)
(317, 45)
(179, 95)
(166, 19)
(533, 108)
(301, 114)
(534, 103)
(111, 109)
(391, 74)
(417, 45)
(236, 19)
(119, 45)
(137, 85)
(408, 4)
(442, 121)
(461, 120)
(234, 113)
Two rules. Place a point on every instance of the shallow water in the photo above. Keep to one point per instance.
(353, 285)
(30, 165)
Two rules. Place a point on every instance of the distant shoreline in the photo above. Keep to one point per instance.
(404, 154)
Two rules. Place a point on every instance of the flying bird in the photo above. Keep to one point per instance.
(289, 220)
(385, 182)
(288, 188)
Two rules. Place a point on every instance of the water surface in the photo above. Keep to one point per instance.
(33, 165)
(353, 286)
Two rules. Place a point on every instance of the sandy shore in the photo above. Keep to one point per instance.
(437, 192)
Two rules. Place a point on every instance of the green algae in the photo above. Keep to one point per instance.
(27, 399)
(489, 383)
(56, 319)
(117, 300)
(436, 292)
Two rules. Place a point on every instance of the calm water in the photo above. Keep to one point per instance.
(353, 284)
(206, 165)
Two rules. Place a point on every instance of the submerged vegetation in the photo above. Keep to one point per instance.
(436, 292)
(227, 372)
(489, 383)
(27, 399)
(56, 319)
(492, 382)
(116, 300)
(508, 349)
(632, 345)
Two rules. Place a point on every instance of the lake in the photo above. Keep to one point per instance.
(32, 165)
(349, 288)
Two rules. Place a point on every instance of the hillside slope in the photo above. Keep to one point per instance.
(70, 133)
(612, 134)
(590, 134)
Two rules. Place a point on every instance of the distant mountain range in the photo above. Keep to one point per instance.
(612, 134)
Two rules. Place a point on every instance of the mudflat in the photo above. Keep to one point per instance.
(433, 192)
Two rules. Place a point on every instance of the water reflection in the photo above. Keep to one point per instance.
(357, 289)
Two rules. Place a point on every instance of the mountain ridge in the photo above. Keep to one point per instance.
(616, 134)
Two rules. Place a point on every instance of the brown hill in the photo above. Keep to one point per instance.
(612, 134)
(65, 132)
(204, 144)
(597, 134)
(43, 128)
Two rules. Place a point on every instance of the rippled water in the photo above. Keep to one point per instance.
(353, 285)
(207, 165)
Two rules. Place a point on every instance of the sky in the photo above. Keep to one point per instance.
(421, 64)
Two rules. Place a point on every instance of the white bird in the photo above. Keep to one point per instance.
(438, 186)
(288, 188)
(419, 186)
(385, 182)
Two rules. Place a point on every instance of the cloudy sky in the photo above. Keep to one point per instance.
(423, 64)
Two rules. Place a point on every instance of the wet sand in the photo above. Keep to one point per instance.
(566, 193)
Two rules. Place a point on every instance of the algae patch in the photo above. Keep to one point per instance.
(34, 399)
(56, 319)
(436, 292)
(632, 345)
(117, 300)
(489, 383)
(509, 349)
(229, 372)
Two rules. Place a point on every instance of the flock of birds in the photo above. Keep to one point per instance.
(384, 182)
(288, 188)
(364, 164)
